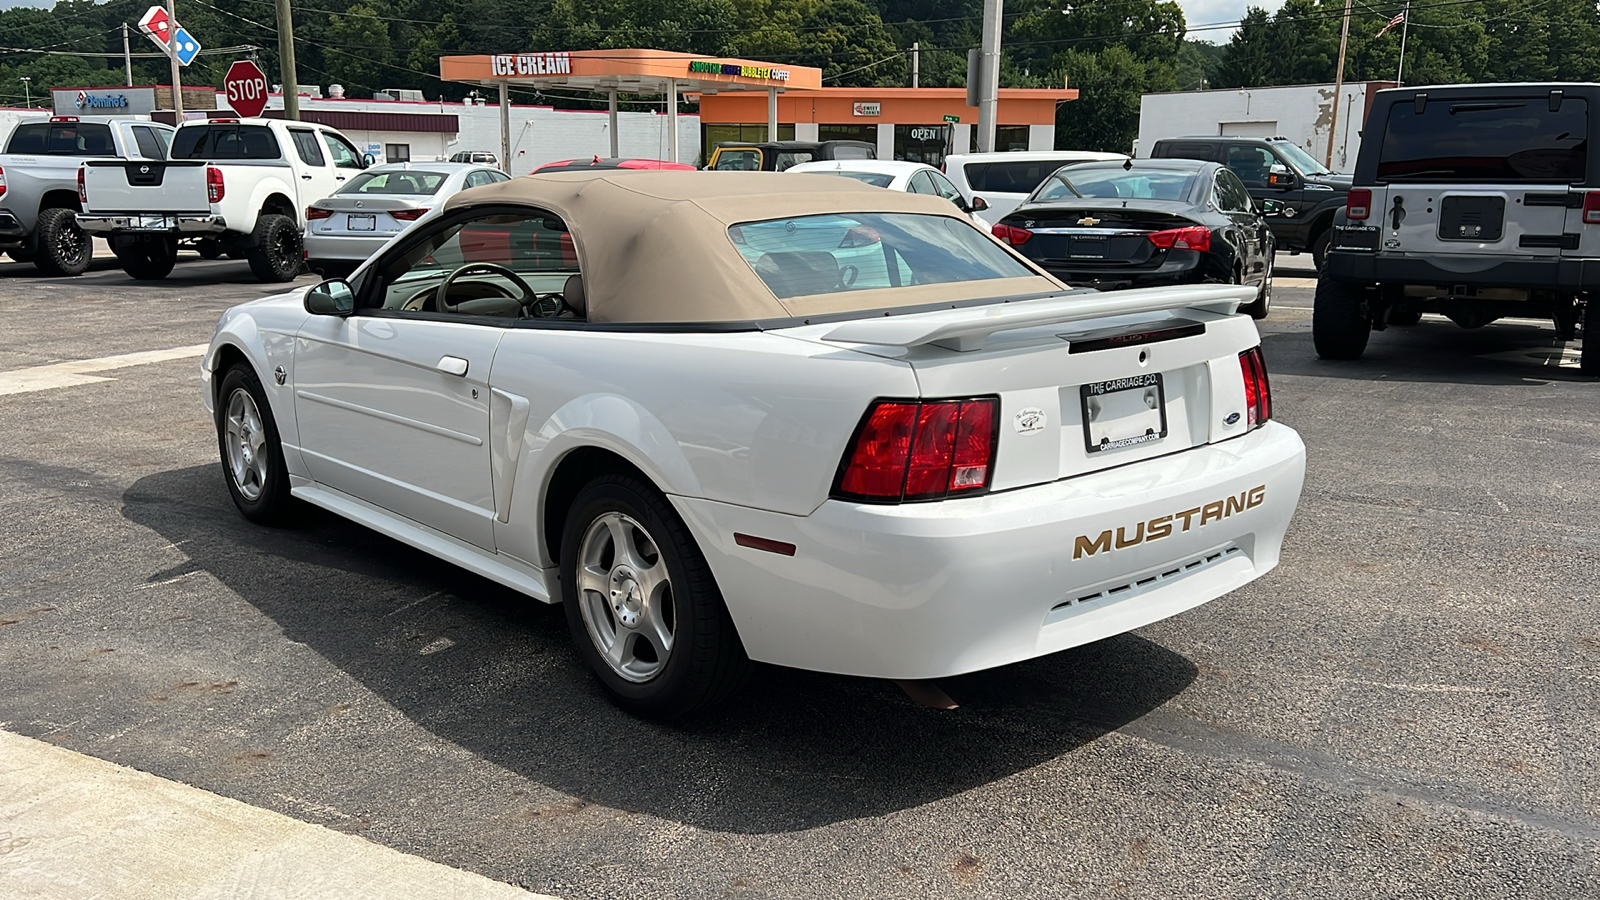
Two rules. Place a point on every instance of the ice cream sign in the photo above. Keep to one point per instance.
(531, 64)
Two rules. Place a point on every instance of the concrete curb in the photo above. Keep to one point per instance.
(73, 827)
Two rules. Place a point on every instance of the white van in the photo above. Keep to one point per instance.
(1004, 180)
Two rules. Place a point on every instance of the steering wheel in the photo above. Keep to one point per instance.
(485, 268)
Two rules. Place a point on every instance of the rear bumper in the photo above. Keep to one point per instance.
(12, 234)
(928, 590)
(343, 247)
(1476, 270)
(1179, 267)
(154, 223)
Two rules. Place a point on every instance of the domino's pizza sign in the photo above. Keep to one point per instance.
(87, 100)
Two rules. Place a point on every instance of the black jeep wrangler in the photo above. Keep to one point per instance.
(1275, 168)
(1476, 202)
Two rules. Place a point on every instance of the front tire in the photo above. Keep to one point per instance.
(1319, 249)
(641, 602)
(252, 455)
(63, 249)
(148, 257)
(1262, 306)
(1340, 324)
(275, 255)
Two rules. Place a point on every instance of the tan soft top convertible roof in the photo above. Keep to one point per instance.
(654, 246)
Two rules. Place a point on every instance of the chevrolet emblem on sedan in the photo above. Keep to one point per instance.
(585, 386)
(1088, 221)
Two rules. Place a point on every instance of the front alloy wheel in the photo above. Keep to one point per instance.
(252, 458)
(243, 437)
(625, 596)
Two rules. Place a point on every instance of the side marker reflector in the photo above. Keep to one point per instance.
(760, 543)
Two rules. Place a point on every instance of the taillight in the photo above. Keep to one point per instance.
(3, 182)
(1257, 391)
(1358, 203)
(408, 215)
(1591, 206)
(317, 212)
(1195, 237)
(215, 189)
(909, 450)
(1011, 234)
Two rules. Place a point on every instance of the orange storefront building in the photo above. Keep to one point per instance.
(743, 99)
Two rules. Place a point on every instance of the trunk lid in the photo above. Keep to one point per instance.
(1086, 234)
(1086, 392)
(145, 186)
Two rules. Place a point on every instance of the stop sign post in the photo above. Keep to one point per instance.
(246, 88)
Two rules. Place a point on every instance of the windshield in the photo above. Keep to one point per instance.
(827, 254)
(1303, 162)
(409, 182)
(875, 179)
(1132, 184)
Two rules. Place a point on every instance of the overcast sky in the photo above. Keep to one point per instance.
(1197, 12)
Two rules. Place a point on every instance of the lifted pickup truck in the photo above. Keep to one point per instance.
(39, 189)
(242, 182)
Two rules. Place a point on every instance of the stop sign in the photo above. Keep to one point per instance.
(246, 88)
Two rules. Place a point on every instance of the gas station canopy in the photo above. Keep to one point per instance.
(611, 72)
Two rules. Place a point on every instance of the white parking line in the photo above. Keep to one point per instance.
(73, 827)
(70, 374)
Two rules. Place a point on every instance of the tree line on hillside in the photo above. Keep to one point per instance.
(1111, 50)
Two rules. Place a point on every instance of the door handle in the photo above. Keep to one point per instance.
(305, 177)
(452, 365)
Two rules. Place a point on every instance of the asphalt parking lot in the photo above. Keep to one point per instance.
(1406, 707)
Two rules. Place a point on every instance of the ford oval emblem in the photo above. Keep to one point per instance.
(1232, 419)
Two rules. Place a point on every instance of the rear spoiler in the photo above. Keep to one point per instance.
(969, 328)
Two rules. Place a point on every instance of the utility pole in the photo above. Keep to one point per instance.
(916, 61)
(286, 74)
(127, 57)
(176, 69)
(1405, 26)
(1338, 84)
(989, 75)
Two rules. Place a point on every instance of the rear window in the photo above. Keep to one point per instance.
(1010, 177)
(851, 152)
(1506, 140)
(1135, 184)
(1186, 150)
(738, 161)
(62, 139)
(873, 178)
(225, 142)
(828, 254)
(394, 183)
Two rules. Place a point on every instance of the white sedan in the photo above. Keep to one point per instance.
(897, 175)
(683, 405)
(356, 220)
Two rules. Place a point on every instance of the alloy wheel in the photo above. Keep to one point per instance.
(244, 438)
(625, 597)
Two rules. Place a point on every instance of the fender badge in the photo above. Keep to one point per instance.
(1232, 419)
(280, 376)
(1029, 420)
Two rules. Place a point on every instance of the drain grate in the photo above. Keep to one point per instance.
(1149, 582)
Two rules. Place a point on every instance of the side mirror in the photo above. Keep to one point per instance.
(1270, 207)
(334, 297)
(1281, 178)
(978, 204)
(368, 160)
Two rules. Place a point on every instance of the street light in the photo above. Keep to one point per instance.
(27, 94)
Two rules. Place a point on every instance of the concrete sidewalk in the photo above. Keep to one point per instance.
(73, 827)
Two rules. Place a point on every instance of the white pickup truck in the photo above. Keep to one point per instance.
(244, 183)
(38, 183)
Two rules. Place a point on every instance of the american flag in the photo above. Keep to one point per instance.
(1399, 17)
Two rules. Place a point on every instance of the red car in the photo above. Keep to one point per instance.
(612, 163)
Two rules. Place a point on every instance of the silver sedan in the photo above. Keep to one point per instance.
(360, 217)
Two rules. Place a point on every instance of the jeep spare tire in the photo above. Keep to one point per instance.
(275, 255)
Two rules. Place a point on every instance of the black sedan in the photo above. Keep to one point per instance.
(1145, 222)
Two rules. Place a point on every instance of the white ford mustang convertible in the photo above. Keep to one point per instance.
(726, 417)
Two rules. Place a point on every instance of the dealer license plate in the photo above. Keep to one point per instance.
(1122, 413)
(363, 223)
(150, 223)
(1088, 248)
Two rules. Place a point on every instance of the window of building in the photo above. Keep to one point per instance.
(868, 133)
(1011, 137)
(922, 143)
(712, 135)
(397, 153)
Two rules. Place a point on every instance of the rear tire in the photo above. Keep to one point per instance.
(63, 249)
(642, 605)
(147, 257)
(1339, 321)
(276, 254)
(252, 456)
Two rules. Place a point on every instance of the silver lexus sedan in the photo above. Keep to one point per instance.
(344, 229)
